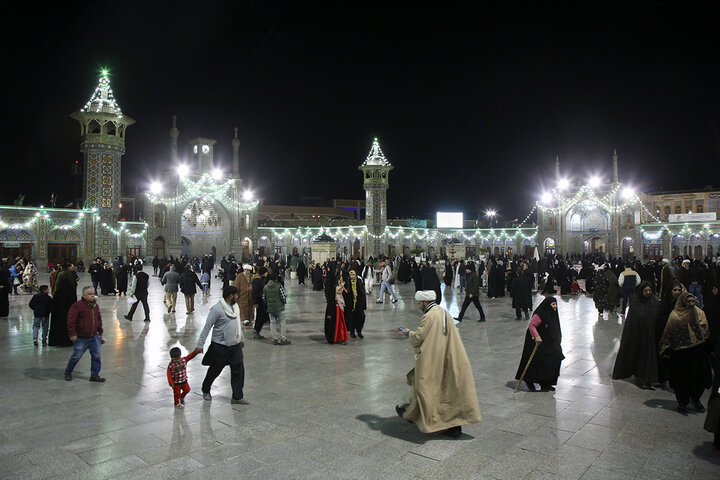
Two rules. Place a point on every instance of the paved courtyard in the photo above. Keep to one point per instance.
(327, 411)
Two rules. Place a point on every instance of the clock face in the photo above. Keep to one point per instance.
(195, 149)
(205, 149)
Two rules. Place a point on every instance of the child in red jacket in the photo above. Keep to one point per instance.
(177, 375)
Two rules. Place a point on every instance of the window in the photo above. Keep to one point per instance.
(678, 209)
(699, 208)
(667, 211)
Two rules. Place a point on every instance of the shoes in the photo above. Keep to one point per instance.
(68, 376)
(285, 342)
(360, 335)
(207, 396)
(395, 301)
(35, 342)
(246, 323)
(531, 386)
(698, 406)
(97, 378)
(169, 308)
(352, 335)
(482, 319)
(399, 410)
(454, 432)
(518, 318)
(241, 401)
(527, 316)
(257, 336)
(146, 320)
(127, 318)
(173, 310)
(44, 343)
(458, 319)
(191, 311)
(378, 301)
(647, 387)
(681, 409)
(182, 401)
(547, 388)
(179, 405)
(344, 342)
(276, 342)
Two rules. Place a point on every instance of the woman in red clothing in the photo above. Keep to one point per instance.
(543, 330)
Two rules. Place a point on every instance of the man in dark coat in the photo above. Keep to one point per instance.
(188, 283)
(5, 286)
(65, 296)
(472, 292)
(262, 316)
(139, 289)
(355, 304)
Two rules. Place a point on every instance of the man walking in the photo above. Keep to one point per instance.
(171, 280)
(94, 271)
(261, 314)
(472, 292)
(139, 289)
(628, 280)
(188, 283)
(85, 330)
(226, 345)
(386, 275)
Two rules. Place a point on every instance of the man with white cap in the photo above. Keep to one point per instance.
(243, 282)
(443, 396)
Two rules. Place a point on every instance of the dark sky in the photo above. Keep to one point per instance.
(471, 101)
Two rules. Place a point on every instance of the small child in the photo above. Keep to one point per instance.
(40, 305)
(177, 375)
(205, 282)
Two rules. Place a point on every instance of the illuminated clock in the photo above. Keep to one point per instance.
(205, 149)
(195, 149)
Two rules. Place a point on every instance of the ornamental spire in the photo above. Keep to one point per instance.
(102, 99)
(376, 156)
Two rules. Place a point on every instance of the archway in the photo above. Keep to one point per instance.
(628, 248)
(678, 243)
(159, 247)
(549, 245)
(264, 247)
(186, 246)
(206, 224)
(247, 246)
(595, 245)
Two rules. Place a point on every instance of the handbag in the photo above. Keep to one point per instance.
(16, 281)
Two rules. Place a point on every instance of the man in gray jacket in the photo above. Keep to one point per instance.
(226, 345)
(171, 279)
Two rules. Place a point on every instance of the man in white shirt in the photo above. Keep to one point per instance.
(385, 285)
(226, 345)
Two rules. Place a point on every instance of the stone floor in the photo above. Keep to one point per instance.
(326, 411)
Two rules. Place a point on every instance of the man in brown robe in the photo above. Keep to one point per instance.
(244, 285)
(443, 390)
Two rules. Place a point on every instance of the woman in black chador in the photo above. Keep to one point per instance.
(544, 330)
(638, 353)
(317, 278)
(65, 295)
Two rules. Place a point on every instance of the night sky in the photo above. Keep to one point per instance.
(471, 102)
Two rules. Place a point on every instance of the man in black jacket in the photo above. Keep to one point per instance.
(188, 282)
(472, 290)
(139, 288)
(94, 271)
(262, 316)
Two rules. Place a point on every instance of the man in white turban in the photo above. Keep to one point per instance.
(443, 396)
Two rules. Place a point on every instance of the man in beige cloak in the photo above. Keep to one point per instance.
(244, 286)
(443, 389)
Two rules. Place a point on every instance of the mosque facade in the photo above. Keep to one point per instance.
(203, 210)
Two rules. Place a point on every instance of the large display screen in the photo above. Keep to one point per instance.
(449, 220)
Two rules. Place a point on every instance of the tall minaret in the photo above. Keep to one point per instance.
(236, 155)
(376, 170)
(102, 143)
(615, 166)
(174, 133)
(557, 167)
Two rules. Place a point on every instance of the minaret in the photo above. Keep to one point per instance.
(102, 143)
(376, 170)
(236, 155)
(557, 167)
(615, 166)
(174, 133)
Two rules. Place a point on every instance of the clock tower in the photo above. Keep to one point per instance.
(376, 170)
(202, 154)
(102, 143)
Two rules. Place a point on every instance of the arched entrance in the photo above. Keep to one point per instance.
(205, 224)
(186, 246)
(549, 245)
(356, 248)
(595, 245)
(678, 243)
(247, 246)
(159, 247)
(628, 248)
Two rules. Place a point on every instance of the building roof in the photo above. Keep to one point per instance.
(376, 156)
(102, 99)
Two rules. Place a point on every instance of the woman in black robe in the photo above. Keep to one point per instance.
(430, 281)
(684, 343)
(65, 296)
(403, 271)
(448, 276)
(331, 309)
(638, 353)
(667, 304)
(520, 290)
(122, 279)
(317, 278)
(355, 304)
(711, 307)
(5, 286)
(301, 272)
(417, 275)
(543, 330)
(108, 285)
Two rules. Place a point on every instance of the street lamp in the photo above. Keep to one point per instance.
(563, 183)
(217, 174)
(183, 170)
(627, 193)
(594, 181)
(247, 195)
(491, 214)
(156, 187)
(546, 198)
